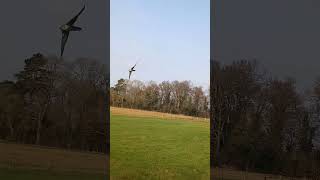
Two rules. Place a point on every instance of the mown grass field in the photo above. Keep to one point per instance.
(151, 145)
(34, 162)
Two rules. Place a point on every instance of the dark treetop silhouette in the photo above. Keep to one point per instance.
(66, 28)
(131, 70)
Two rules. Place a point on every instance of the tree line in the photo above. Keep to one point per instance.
(262, 123)
(169, 97)
(56, 103)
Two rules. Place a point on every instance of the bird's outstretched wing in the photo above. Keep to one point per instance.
(74, 19)
(64, 40)
(134, 66)
(130, 74)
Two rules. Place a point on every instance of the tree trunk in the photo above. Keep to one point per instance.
(10, 127)
(218, 148)
(39, 125)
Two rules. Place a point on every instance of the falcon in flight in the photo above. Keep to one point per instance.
(131, 70)
(67, 28)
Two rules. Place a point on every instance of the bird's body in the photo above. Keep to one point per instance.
(131, 70)
(67, 28)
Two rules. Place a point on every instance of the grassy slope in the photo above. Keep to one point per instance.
(35, 162)
(149, 146)
(23, 174)
(231, 174)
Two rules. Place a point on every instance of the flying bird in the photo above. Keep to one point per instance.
(131, 70)
(67, 28)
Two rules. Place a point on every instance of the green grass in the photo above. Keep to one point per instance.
(24, 162)
(23, 174)
(151, 148)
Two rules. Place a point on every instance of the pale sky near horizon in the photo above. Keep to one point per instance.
(170, 40)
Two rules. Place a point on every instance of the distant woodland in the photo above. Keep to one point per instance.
(169, 97)
(56, 103)
(261, 123)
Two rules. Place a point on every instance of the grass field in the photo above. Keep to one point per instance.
(230, 174)
(151, 145)
(34, 162)
(23, 174)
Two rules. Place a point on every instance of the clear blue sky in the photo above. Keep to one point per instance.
(170, 39)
